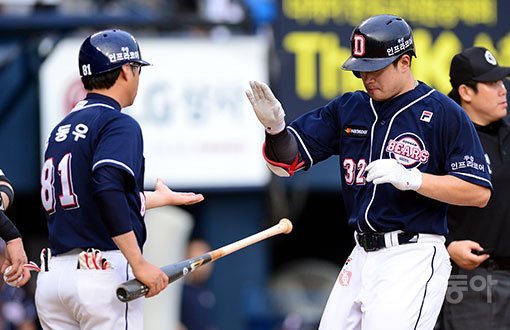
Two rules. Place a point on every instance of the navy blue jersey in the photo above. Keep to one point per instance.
(94, 134)
(421, 128)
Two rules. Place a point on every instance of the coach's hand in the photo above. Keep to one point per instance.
(152, 276)
(268, 109)
(390, 171)
(162, 195)
(16, 257)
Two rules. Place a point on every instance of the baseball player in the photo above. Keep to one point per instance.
(15, 256)
(405, 152)
(92, 182)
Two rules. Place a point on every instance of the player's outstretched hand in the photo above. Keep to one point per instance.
(267, 108)
(460, 253)
(162, 195)
(16, 257)
(390, 171)
(151, 276)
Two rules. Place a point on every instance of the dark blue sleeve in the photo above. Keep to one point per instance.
(109, 184)
(120, 145)
(465, 157)
(318, 132)
(8, 230)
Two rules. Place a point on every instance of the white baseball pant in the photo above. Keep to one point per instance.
(68, 298)
(399, 288)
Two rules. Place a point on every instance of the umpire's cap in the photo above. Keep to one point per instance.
(108, 50)
(377, 42)
(476, 64)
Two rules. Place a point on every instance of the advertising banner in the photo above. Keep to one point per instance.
(199, 128)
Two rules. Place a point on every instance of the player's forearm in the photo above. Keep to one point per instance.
(128, 245)
(452, 190)
(281, 147)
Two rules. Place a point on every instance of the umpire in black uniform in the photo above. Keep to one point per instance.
(478, 295)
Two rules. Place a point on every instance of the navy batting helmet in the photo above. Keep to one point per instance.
(108, 50)
(377, 42)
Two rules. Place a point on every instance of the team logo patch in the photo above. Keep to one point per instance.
(344, 278)
(358, 43)
(408, 149)
(426, 116)
(355, 131)
(490, 58)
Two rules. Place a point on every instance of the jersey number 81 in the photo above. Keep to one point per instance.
(68, 199)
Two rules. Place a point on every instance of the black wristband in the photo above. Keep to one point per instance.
(9, 192)
(8, 230)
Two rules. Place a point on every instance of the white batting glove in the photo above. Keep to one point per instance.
(268, 109)
(390, 171)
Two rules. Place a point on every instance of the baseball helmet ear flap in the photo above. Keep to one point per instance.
(377, 42)
(108, 50)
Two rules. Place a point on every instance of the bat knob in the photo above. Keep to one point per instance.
(122, 295)
(286, 225)
(131, 290)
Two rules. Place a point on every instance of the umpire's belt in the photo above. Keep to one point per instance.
(376, 241)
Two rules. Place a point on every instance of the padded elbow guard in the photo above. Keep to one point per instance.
(285, 170)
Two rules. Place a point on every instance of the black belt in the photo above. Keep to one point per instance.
(496, 264)
(376, 241)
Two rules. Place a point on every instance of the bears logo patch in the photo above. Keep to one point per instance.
(408, 149)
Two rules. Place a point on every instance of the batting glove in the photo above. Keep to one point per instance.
(92, 259)
(267, 108)
(390, 171)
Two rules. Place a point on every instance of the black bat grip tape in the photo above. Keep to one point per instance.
(131, 290)
(134, 289)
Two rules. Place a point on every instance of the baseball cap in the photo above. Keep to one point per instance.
(476, 64)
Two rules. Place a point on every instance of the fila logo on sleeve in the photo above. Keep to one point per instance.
(426, 116)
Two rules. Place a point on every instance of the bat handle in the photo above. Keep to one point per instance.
(131, 290)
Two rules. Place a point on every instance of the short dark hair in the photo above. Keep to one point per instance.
(102, 80)
(454, 94)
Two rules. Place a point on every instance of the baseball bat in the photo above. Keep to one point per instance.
(134, 289)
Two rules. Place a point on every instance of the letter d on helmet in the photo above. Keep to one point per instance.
(377, 42)
(108, 50)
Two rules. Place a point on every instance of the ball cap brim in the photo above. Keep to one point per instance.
(367, 64)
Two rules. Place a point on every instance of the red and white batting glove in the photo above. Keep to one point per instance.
(92, 259)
